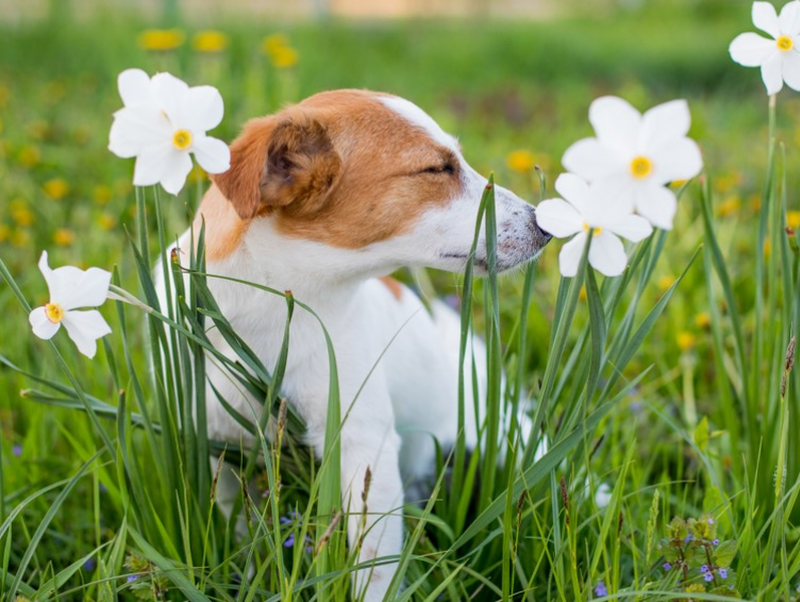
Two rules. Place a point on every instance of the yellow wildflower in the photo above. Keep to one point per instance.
(520, 160)
(20, 213)
(57, 188)
(107, 221)
(755, 203)
(665, 282)
(767, 248)
(38, 129)
(102, 194)
(29, 156)
(5, 232)
(161, 39)
(729, 206)
(686, 340)
(702, 320)
(793, 219)
(21, 238)
(63, 237)
(727, 182)
(284, 57)
(273, 43)
(209, 41)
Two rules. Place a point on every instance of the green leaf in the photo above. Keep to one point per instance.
(702, 434)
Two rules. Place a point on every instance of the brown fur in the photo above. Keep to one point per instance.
(340, 168)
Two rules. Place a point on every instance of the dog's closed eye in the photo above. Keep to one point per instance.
(447, 168)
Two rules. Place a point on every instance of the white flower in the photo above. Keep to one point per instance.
(71, 288)
(577, 214)
(164, 120)
(635, 155)
(778, 57)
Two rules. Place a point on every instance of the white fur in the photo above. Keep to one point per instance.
(410, 398)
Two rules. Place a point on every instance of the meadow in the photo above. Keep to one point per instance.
(674, 443)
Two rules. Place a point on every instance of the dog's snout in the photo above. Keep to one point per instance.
(540, 234)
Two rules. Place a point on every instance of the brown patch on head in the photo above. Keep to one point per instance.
(340, 168)
(224, 227)
(394, 286)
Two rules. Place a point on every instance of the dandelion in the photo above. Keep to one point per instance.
(209, 41)
(635, 155)
(777, 56)
(162, 122)
(578, 214)
(600, 589)
(793, 219)
(702, 320)
(161, 39)
(5, 232)
(106, 221)
(272, 43)
(71, 288)
(20, 213)
(29, 156)
(284, 57)
(686, 341)
(102, 194)
(521, 161)
(63, 237)
(729, 206)
(16, 450)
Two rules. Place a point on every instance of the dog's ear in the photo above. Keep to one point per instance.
(280, 160)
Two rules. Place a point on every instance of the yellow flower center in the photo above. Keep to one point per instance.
(784, 43)
(182, 139)
(54, 312)
(641, 167)
(597, 230)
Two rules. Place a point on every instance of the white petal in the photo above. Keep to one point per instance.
(212, 154)
(570, 256)
(789, 20)
(201, 109)
(791, 69)
(72, 287)
(678, 160)
(663, 124)
(766, 19)
(658, 205)
(591, 160)
(134, 87)
(632, 227)
(169, 92)
(558, 218)
(135, 129)
(574, 190)
(42, 326)
(772, 74)
(615, 122)
(176, 169)
(84, 328)
(614, 195)
(150, 164)
(752, 50)
(607, 255)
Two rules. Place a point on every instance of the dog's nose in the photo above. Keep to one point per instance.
(543, 235)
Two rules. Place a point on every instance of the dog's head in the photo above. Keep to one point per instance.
(365, 182)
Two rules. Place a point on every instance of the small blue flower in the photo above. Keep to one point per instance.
(285, 520)
(688, 538)
(132, 578)
(710, 521)
(17, 450)
(709, 576)
(90, 564)
(600, 589)
(704, 568)
(289, 541)
(667, 566)
(715, 542)
(723, 573)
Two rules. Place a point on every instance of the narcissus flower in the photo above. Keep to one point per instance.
(635, 155)
(162, 122)
(72, 288)
(778, 55)
(578, 214)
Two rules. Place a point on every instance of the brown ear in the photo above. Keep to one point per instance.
(277, 161)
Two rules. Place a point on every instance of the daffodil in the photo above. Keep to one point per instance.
(635, 155)
(579, 213)
(777, 55)
(162, 122)
(72, 288)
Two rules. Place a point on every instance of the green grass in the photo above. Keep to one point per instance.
(664, 384)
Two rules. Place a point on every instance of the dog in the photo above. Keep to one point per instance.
(326, 198)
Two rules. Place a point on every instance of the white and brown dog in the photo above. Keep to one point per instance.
(324, 198)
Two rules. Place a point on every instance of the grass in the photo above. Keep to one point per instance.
(662, 388)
